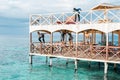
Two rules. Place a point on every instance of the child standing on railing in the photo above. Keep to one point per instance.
(77, 14)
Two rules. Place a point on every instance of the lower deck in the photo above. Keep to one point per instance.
(88, 52)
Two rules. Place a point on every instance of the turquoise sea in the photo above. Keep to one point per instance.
(14, 65)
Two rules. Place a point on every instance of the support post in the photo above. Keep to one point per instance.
(51, 52)
(50, 65)
(93, 37)
(115, 66)
(105, 67)
(84, 37)
(30, 59)
(112, 38)
(51, 41)
(76, 44)
(30, 48)
(107, 46)
(75, 65)
(103, 37)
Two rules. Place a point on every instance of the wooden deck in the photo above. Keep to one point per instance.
(83, 52)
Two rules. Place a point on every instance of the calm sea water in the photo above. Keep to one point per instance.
(14, 65)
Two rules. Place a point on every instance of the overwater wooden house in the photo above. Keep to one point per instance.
(103, 19)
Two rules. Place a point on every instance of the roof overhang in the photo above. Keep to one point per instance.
(105, 6)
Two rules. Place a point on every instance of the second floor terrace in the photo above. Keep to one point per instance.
(101, 17)
(85, 17)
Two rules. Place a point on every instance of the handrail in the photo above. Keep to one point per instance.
(86, 17)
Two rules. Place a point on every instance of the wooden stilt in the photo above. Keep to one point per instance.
(115, 67)
(30, 59)
(105, 67)
(75, 65)
(50, 65)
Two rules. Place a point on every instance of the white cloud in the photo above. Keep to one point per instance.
(22, 8)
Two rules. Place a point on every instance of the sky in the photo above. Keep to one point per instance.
(14, 14)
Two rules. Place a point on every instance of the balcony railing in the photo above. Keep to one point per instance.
(86, 17)
(95, 52)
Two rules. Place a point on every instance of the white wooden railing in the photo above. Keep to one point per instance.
(86, 17)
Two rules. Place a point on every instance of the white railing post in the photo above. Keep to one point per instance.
(107, 46)
(76, 44)
(51, 41)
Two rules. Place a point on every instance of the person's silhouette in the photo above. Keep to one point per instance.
(77, 15)
(41, 37)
